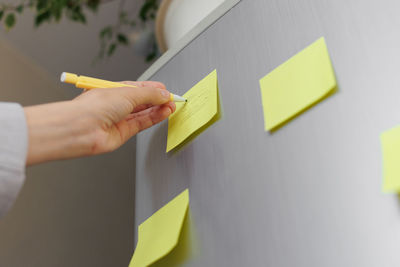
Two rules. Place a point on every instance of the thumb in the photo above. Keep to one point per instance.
(144, 95)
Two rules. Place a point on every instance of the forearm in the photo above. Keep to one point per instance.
(57, 131)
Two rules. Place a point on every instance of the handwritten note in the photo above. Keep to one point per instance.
(297, 84)
(193, 117)
(159, 234)
(390, 141)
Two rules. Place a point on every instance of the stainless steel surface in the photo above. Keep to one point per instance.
(308, 195)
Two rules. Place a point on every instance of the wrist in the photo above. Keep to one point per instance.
(57, 131)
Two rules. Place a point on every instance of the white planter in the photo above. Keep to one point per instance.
(175, 18)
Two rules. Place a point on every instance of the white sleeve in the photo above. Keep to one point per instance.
(13, 151)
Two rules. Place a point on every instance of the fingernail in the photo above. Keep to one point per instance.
(172, 107)
(165, 93)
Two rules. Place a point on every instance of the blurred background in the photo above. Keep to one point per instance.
(80, 212)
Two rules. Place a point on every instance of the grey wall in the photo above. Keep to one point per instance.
(76, 212)
(69, 46)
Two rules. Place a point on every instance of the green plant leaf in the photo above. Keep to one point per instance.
(19, 9)
(41, 4)
(93, 4)
(143, 11)
(106, 32)
(153, 53)
(56, 9)
(1, 14)
(10, 20)
(122, 39)
(80, 17)
(75, 14)
(40, 18)
(147, 8)
(111, 49)
(151, 56)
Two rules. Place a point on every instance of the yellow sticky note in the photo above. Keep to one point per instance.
(159, 234)
(200, 111)
(297, 84)
(390, 141)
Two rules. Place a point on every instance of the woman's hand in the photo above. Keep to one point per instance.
(95, 122)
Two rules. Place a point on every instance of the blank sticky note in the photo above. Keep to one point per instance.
(390, 141)
(297, 84)
(159, 234)
(198, 113)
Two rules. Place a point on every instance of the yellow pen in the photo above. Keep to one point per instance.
(88, 83)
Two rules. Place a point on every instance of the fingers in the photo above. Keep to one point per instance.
(172, 106)
(146, 84)
(142, 95)
(141, 107)
(146, 106)
(142, 120)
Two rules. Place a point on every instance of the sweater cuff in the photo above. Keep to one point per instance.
(13, 152)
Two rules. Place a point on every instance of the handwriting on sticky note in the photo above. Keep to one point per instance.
(194, 116)
(159, 234)
(297, 84)
(390, 142)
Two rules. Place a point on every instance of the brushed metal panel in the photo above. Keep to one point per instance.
(310, 194)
